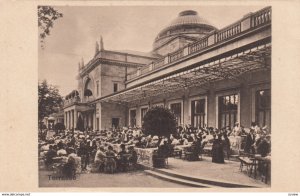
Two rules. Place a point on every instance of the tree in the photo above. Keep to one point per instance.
(50, 100)
(46, 17)
(159, 121)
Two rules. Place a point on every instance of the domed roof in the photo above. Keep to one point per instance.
(188, 17)
(189, 23)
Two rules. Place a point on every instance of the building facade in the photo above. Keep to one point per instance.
(206, 76)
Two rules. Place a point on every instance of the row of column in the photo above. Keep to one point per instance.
(71, 119)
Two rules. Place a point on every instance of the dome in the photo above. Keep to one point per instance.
(188, 17)
(188, 23)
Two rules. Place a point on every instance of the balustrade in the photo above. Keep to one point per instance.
(258, 18)
(261, 17)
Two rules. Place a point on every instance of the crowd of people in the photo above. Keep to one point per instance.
(95, 148)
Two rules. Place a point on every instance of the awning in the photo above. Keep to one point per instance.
(257, 58)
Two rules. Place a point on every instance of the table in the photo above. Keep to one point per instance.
(145, 156)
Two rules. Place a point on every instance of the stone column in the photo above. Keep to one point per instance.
(94, 120)
(72, 119)
(65, 119)
(69, 120)
(90, 120)
(75, 118)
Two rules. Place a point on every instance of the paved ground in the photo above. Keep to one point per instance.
(131, 179)
(204, 169)
(228, 172)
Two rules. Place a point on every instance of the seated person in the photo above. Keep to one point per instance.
(110, 162)
(175, 141)
(99, 158)
(154, 142)
(49, 156)
(122, 159)
(163, 150)
(61, 152)
(133, 155)
(263, 146)
(69, 169)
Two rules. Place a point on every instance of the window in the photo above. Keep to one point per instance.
(263, 108)
(143, 113)
(176, 109)
(198, 113)
(97, 87)
(132, 115)
(228, 107)
(115, 87)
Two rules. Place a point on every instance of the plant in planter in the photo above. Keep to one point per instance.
(159, 121)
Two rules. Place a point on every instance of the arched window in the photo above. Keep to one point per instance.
(88, 88)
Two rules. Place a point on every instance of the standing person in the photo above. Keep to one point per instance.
(250, 142)
(226, 146)
(83, 153)
(217, 149)
(255, 127)
(236, 131)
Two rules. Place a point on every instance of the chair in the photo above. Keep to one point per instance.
(177, 153)
(249, 163)
(110, 164)
(192, 154)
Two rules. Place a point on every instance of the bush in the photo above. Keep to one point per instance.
(159, 121)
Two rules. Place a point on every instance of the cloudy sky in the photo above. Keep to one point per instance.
(122, 28)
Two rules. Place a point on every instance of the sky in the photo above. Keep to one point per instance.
(74, 36)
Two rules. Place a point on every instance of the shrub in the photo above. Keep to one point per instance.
(159, 121)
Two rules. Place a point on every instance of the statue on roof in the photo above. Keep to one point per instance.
(97, 48)
(101, 44)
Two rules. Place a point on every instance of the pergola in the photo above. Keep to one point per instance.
(231, 67)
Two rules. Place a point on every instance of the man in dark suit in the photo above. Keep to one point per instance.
(250, 142)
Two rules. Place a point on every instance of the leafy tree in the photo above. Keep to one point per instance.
(159, 121)
(46, 17)
(50, 100)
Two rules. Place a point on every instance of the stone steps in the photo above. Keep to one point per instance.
(176, 180)
(204, 181)
(192, 181)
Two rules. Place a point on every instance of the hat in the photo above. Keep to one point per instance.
(155, 137)
(122, 146)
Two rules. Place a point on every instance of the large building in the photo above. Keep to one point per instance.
(206, 76)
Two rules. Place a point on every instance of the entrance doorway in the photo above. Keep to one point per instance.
(132, 118)
(115, 122)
